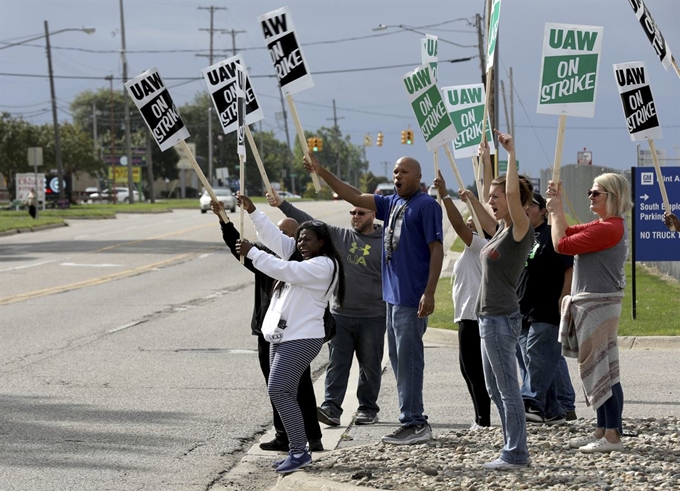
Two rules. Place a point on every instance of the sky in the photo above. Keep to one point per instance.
(338, 36)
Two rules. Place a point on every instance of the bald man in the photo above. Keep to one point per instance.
(411, 263)
(263, 289)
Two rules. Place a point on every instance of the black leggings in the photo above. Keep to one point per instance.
(305, 397)
(288, 361)
(470, 357)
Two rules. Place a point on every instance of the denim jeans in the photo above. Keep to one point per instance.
(541, 352)
(499, 335)
(563, 387)
(609, 414)
(366, 337)
(405, 332)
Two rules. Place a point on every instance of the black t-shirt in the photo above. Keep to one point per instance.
(540, 284)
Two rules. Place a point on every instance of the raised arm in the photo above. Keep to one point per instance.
(520, 220)
(487, 176)
(486, 219)
(452, 212)
(345, 191)
(268, 233)
(558, 221)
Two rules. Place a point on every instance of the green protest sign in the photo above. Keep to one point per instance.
(428, 107)
(493, 33)
(465, 104)
(503, 166)
(571, 56)
(429, 46)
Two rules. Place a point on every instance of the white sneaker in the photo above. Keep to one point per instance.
(602, 445)
(502, 465)
(582, 442)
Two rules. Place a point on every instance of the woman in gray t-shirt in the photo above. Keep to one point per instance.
(500, 321)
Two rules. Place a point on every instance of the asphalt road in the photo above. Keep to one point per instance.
(127, 361)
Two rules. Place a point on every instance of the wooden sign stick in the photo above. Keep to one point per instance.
(675, 65)
(301, 138)
(435, 154)
(201, 177)
(461, 184)
(659, 178)
(258, 159)
(242, 183)
(558, 149)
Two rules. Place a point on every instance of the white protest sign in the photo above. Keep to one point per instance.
(285, 52)
(221, 81)
(662, 50)
(429, 47)
(637, 101)
(159, 112)
(493, 33)
(25, 182)
(428, 106)
(241, 111)
(465, 104)
(571, 57)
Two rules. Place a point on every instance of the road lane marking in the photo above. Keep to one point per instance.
(27, 266)
(98, 265)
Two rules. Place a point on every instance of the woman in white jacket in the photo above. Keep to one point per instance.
(294, 323)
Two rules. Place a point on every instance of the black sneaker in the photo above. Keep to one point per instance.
(571, 416)
(408, 435)
(275, 445)
(326, 417)
(555, 420)
(315, 445)
(533, 415)
(365, 418)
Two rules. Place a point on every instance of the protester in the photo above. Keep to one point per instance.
(590, 316)
(546, 279)
(497, 307)
(468, 275)
(293, 324)
(671, 220)
(360, 321)
(411, 263)
(31, 202)
(263, 290)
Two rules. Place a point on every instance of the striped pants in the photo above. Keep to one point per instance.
(288, 360)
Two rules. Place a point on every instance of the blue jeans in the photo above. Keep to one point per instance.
(541, 351)
(563, 387)
(366, 336)
(609, 414)
(499, 335)
(405, 332)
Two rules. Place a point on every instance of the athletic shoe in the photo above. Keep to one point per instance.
(533, 415)
(326, 417)
(571, 416)
(293, 463)
(278, 462)
(315, 445)
(408, 435)
(476, 427)
(276, 445)
(555, 420)
(365, 418)
(602, 445)
(582, 442)
(502, 465)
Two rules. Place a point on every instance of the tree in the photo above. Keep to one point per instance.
(16, 136)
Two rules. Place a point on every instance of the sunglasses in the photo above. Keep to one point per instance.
(595, 194)
(357, 212)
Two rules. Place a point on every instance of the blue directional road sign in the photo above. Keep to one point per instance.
(653, 240)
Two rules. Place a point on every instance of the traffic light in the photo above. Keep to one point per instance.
(368, 141)
(310, 143)
(409, 137)
(404, 136)
(380, 140)
(318, 144)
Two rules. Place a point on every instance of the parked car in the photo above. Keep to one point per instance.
(122, 195)
(287, 195)
(432, 191)
(224, 195)
(384, 189)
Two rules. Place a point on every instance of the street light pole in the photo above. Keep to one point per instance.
(55, 119)
(128, 145)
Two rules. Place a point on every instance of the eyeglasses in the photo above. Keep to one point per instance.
(357, 212)
(595, 194)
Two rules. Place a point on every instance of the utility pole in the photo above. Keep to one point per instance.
(94, 128)
(512, 108)
(480, 46)
(113, 143)
(128, 145)
(233, 39)
(336, 137)
(505, 106)
(55, 120)
(212, 9)
(285, 125)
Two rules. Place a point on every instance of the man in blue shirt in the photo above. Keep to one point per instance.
(411, 263)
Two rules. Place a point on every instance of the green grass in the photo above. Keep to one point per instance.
(658, 304)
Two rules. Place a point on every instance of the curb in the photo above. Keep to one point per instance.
(301, 481)
(37, 228)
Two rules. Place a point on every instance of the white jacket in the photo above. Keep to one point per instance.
(303, 299)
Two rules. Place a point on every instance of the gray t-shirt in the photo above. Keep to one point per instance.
(601, 271)
(502, 263)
